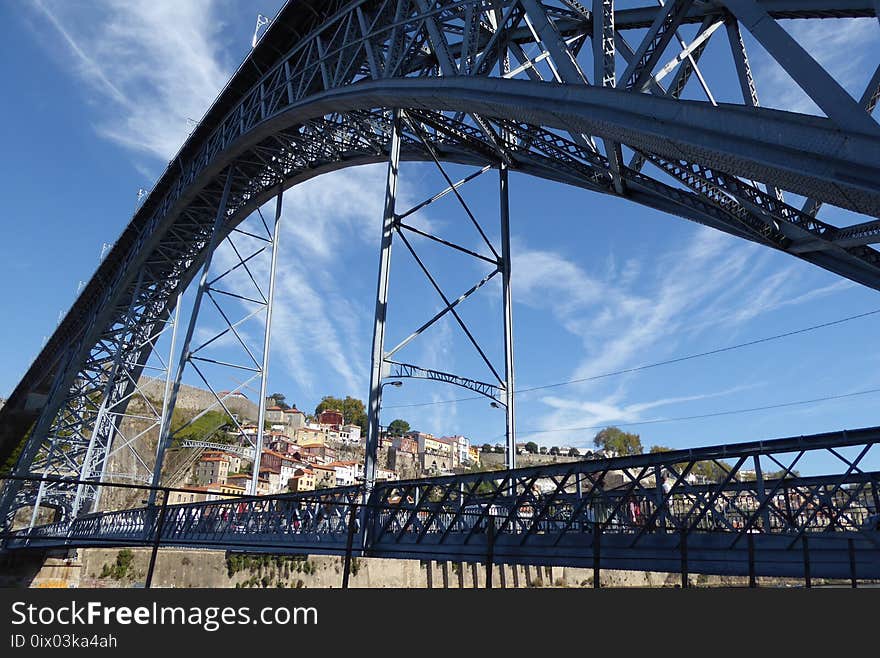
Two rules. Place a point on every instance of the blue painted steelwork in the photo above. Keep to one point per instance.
(562, 514)
(494, 84)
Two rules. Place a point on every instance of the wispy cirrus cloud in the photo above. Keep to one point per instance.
(713, 280)
(845, 47)
(157, 63)
(613, 409)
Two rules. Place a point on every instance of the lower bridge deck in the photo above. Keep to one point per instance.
(640, 512)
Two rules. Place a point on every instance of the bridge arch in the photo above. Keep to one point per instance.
(292, 113)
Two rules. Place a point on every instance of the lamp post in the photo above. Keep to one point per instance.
(396, 384)
(508, 448)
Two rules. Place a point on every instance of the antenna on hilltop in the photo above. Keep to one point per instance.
(261, 21)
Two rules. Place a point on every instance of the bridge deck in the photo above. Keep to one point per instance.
(610, 512)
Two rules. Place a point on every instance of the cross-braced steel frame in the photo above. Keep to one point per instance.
(750, 514)
(399, 223)
(612, 100)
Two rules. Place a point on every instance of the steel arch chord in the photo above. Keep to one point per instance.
(615, 101)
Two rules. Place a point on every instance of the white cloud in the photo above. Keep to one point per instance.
(609, 409)
(157, 62)
(163, 62)
(627, 317)
(842, 46)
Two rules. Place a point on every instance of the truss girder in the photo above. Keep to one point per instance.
(315, 95)
(738, 522)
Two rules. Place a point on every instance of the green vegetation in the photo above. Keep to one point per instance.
(119, 569)
(398, 427)
(267, 567)
(532, 448)
(281, 400)
(352, 409)
(620, 442)
(211, 426)
(13, 456)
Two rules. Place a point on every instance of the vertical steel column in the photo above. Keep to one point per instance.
(187, 341)
(86, 466)
(378, 358)
(165, 420)
(762, 495)
(510, 420)
(157, 539)
(166, 392)
(264, 374)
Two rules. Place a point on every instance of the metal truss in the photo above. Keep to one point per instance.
(399, 370)
(248, 301)
(400, 225)
(241, 451)
(505, 83)
(606, 513)
(86, 438)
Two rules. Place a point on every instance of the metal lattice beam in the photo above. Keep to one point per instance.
(315, 96)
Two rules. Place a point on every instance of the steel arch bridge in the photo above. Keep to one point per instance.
(609, 99)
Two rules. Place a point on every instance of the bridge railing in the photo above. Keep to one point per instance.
(640, 505)
(720, 491)
(789, 506)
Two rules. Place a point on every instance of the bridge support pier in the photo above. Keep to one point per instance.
(378, 357)
(510, 424)
(165, 431)
(193, 357)
(501, 391)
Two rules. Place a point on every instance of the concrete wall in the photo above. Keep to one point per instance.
(209, 569)
(496, 460)
(196, 399)
(189, 400)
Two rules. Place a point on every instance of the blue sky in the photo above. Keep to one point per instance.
(103, 94)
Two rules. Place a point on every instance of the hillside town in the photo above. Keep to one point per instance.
(304, 452)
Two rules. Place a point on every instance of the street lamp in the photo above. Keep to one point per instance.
(396, 384)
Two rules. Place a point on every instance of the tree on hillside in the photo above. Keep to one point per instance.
(398, 427)
(554, 450)
(486, 448)
(280, 400)
(618, 441)
(532, 448)
(574, 452)
(352, 409)
(711, 470)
